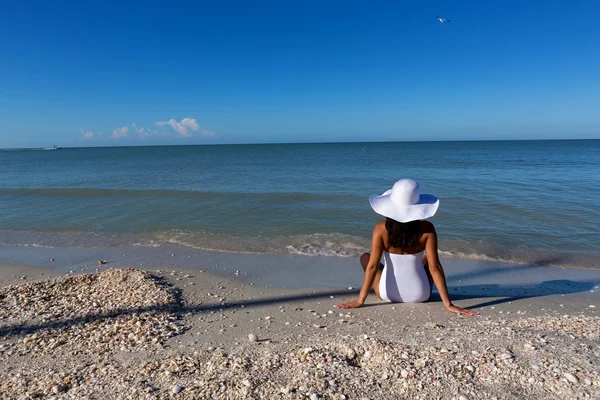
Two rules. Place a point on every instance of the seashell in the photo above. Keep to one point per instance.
(177, 389)
(252, 338)
(571, 378)
(304, 352)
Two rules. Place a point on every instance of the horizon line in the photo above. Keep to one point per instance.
(292, 143)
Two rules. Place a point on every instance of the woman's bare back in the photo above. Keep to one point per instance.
(426, 229)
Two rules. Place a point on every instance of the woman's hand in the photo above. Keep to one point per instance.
(461, 311)
(350, 304)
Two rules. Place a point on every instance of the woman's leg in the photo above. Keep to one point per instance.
(364, 261)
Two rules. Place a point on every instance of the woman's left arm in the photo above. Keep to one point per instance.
(370, 271)
(438, 275)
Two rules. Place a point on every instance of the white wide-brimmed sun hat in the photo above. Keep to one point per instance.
(404, 203)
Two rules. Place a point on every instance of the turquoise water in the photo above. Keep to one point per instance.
(535, 202)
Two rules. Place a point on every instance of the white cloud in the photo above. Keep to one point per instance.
(90, 135)
(144, 132)
(206, 132)
(185, 127)
(121, 132)
(87, 135)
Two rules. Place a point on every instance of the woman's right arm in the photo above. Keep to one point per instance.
(371, 269)
(437, 273)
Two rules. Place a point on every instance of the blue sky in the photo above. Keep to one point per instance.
(104, 73)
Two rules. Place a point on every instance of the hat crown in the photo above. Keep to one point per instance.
(405, 192)
(404, 202)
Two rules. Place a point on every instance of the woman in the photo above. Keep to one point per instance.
(408, 245)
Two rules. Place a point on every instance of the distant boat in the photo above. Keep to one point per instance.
(55, 147)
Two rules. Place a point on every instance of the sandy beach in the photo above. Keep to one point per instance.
(173, 323)
(187, 192)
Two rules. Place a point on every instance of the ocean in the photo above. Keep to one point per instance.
(528, 202)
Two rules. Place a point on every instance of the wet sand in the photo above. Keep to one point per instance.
(476, 284)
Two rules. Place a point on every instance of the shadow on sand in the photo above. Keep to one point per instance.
(506, 293)
(500, 294)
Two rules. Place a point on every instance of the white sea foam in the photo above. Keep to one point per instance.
(473, 256)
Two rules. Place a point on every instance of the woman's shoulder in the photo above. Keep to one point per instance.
(427, 227)
(380, 226)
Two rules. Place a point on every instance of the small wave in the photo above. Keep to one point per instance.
(145, 244)
(169, 194)
(315, 251)
(333, 245)
(473, 256)
(99, 192)
(542, 260)
(207, 248)
(43, 246)
(336, 245)
(319, 246)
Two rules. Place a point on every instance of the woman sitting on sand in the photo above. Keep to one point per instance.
(407, 274)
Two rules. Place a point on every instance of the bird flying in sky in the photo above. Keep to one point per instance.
(443, 20)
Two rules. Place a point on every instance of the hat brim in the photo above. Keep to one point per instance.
(425, 208)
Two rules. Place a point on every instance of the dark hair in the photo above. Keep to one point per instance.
(403, 235)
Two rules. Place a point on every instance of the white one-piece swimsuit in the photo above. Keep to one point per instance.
(404, 279)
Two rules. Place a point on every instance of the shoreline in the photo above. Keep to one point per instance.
(265, 246)
(467, 279)
(494, 290)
